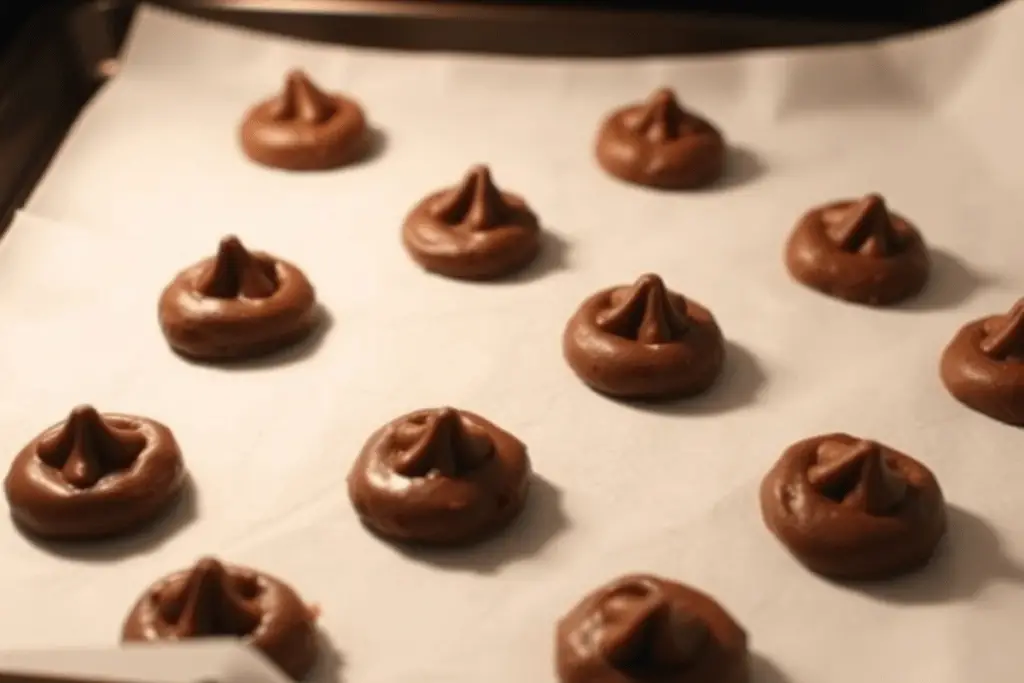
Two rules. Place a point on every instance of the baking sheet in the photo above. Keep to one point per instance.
(152, 176)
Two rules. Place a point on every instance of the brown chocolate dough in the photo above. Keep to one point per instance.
(983, 367)
(472, 231)
(215, 599)
(645, 628)
(305, 129)
(659, 144)
(439, 477)
(853, 509)
(94, 475)
(644, 341)
(857, 250)
(237, 305)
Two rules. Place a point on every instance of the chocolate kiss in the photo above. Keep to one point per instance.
(302, 100)
(86, 448)
(866, 228)
(209, 603)
(236, 273)
(476, 203)
(857, 475)
(1006, 336)
(643, 631)
(645, 314)
(445, 445)
(660, 118)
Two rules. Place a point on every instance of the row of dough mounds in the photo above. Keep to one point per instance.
(845, 507)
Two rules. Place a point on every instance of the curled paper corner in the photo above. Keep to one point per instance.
(207, 660)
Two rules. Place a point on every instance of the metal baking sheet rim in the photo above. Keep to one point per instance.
(461, 25)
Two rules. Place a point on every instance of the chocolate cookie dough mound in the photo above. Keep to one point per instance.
(848, 508)
(472, 231)
(439, 477)
(858, 251)
(237, 305)
(983, 367)
(213, 599)
(644, 341)
(94, 475)
(659, 144)
(305, 129)
(645, 628)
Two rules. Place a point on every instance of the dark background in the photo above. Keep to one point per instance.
(12, 15)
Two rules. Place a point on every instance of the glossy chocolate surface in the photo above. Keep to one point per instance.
(439, 477)
(94, 475)
(848, 508)
(857, 250)
(645, 628)
(305, 129)
(237, 305)
(659, 144)
(644, 341)
(472, 231)
(983, 366)
(215, 599)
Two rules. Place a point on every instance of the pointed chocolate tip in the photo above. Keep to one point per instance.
(208, 565)
(833, 450)
(231, 248)
(84, 412)
(446, 414)
(650, 281)
(659, 118)
(475, 202)
(296, 76)
(645, 631)
(1005, 336)
(234, 272)
(302, 99)
(664, 96)
(839, 461)
(631, 616)
(857, 474)
(873, 199)
(85, 448)
(446, 423)
(445, 445)
(229, 242)
(645, 312)
(871, 208)
(866, 227)
(208, 603)
(479, 173)
(208, 570)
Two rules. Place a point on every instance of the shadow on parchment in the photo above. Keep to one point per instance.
(739, 385)
(288, 356)
(374, 146)
(541, 521)
(950, 283)
(742, 166)
(970, 558)
(329, 662)
(552, 257)
(763, 670)
(179, 515)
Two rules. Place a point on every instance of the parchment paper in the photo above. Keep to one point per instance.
(152, 177)
(201, 659)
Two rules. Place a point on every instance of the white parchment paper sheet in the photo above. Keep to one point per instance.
(152, 177)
